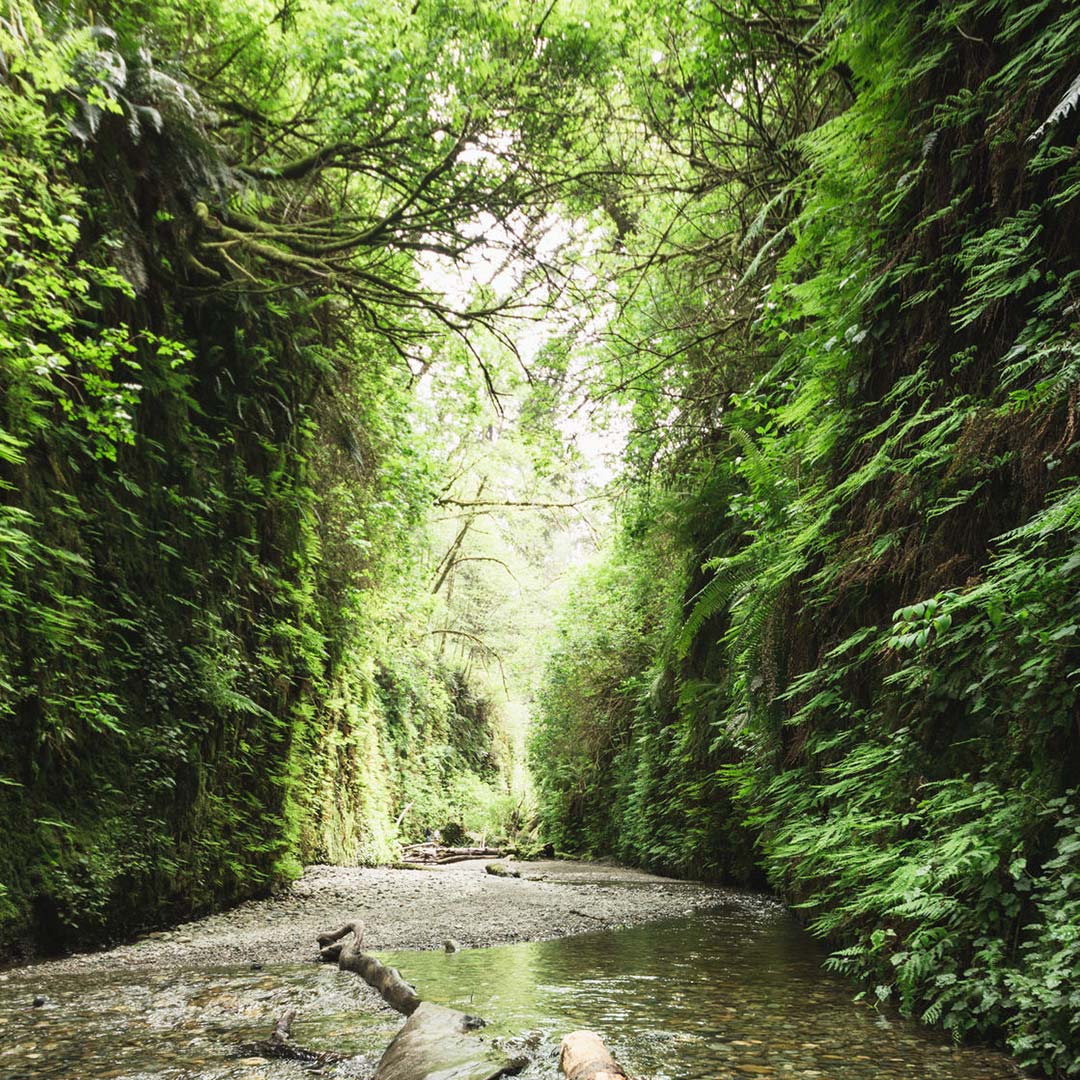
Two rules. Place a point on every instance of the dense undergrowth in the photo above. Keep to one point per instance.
(840, 624)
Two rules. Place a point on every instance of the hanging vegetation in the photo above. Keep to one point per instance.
(841, 614)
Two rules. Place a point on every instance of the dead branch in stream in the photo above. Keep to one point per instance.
(435, 1041)
(393, 989)
(279, 1045)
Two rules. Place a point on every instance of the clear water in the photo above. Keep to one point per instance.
(731, 995)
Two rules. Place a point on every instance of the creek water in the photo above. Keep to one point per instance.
(733, 994)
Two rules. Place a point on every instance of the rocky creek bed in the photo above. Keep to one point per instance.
(699, 983)
(415, 909)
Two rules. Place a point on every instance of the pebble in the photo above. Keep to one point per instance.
(39, 1000)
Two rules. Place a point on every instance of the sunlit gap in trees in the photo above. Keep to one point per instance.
(530, 463)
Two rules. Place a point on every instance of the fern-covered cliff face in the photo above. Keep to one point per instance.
(864, 649)
(210, 495)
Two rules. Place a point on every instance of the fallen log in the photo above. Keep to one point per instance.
(431, 852)
(435, 1041)
(583, 1056)
(420, 849)
(480, 854)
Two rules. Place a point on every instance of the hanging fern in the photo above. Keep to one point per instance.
(1065, 106)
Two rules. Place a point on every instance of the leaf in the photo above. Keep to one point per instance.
(152, 115)
(1060, 110)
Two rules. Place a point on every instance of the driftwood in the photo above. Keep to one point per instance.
(583, 1056)
(394, 990)
(441, 855)
(436, 1043)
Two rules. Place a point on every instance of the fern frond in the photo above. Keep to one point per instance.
(731, 574)
(757, 226)
(1060, 110)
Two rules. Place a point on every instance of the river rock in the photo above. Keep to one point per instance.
(437, 1041)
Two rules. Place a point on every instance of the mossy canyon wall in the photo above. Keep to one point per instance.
(208, 506)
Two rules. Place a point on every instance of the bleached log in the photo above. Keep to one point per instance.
(435, 1042)
(437, 853)
(393, 989)
(583, 1056)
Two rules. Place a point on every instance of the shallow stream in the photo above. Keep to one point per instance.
(730, 995)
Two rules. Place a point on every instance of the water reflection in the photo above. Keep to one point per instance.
(731, 995)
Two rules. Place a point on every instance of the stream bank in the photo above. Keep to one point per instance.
(414, 909)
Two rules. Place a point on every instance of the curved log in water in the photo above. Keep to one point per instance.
(435, 1041)
(393, 989)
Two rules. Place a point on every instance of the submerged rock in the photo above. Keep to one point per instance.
(437, 1041)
